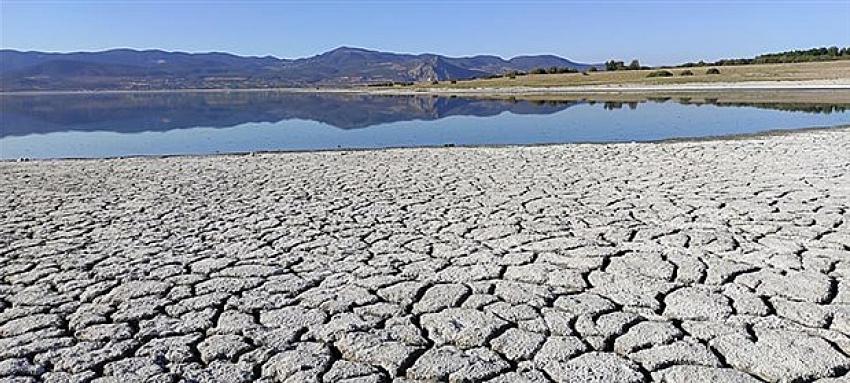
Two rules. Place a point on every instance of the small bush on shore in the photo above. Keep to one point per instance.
(660, 73)
(712, 71)
(686, 73)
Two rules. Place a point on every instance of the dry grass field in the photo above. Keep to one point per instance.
(831, 70)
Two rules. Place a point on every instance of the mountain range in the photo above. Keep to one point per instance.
(128, 69)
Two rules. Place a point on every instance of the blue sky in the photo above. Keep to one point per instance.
(656, 32)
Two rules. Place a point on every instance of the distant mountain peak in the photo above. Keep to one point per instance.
(350, 49)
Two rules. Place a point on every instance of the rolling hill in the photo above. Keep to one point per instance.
(127, 69)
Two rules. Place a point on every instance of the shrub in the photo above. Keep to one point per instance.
(566, 70)
(454, 81)
(378, 84)
(435, 82)
(593, 69)
(712, 71)
(686, 73)
(660, 73)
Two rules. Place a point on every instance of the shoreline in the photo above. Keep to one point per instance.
(845, 128)
(820, 85)
(811, 85)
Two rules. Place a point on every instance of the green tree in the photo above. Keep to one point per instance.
(614, 65)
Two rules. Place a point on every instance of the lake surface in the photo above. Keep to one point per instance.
(110, 125)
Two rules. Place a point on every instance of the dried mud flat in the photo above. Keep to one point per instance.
(718, 261)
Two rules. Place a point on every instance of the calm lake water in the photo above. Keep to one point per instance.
(108, 125)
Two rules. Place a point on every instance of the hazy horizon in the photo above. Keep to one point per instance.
(581, 31)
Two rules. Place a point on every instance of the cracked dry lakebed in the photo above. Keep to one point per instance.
(712, 261)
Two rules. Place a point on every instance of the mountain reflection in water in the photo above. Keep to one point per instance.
(169, 123)
(150, 112)
(139, 112)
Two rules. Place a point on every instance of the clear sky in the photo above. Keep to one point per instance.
(654, 31)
